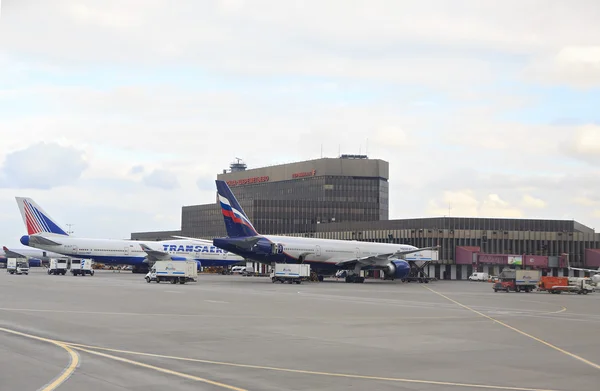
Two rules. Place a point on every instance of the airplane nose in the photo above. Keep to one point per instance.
(25, 240)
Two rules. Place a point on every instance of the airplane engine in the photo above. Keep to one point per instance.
(35, 262)
(596, 279)
(397, 269)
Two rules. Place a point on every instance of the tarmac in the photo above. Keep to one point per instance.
(114, 331)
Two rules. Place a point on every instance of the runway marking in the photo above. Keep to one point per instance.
(593, 365)
(216, 316)
(159, 369)
(217, 301)
(67, 372)
(73, 364)
(305, 372)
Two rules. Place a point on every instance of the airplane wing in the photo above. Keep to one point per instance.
(35, 239)
(12, 254)
(585, 270)
(383, 259)
(157, 255)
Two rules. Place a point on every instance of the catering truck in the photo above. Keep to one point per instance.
(173, 271)
(290, 272)
(17, 266)
(58, 266)
(82, 267)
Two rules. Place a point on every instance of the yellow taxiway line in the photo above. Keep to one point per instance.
(67, 372)
(588, 362)
(307, 372)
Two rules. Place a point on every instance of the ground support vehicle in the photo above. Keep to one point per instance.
(82, 267)
(58, 266)
(290, 272)
(173, 271)
(517, 280)
(17, 266)
(557, 285)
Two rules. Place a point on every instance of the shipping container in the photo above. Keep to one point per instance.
(537, 261)
(464, 254)
(592, 257)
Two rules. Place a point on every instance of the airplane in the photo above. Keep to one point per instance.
(45, 233)
(326, 256)
(35, 257)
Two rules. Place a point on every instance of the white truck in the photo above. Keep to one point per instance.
(290, 272)
(17, 266)
(82, 267)
(58, 266)
(173, 271)
(581, 285)
(477, 276)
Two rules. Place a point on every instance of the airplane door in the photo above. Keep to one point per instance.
(357, 252)
(75, 249)
(126, 250)
(318, 250)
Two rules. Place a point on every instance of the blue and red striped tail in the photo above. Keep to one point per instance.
(36, 219)
(236, 221)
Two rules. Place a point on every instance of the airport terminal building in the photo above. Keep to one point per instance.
(347, 198)
(295, 197)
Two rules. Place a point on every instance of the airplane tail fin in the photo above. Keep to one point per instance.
(236, 221)
(36, 219)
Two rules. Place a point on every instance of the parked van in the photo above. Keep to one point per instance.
(479, 276)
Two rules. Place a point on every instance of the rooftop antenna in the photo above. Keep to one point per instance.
(449, 207)
(321, 150)
(367, 148)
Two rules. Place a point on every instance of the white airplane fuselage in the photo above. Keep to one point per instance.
(129, 252)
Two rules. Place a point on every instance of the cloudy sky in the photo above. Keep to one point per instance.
(115, 113)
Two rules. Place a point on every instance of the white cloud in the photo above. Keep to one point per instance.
(533, 202)
(42, 166)
(578, 66)
(151, 94)
(465, 203)
(161, 179)
(585, 143)
(309, 38)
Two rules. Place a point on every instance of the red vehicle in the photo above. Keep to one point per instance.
(506, 285)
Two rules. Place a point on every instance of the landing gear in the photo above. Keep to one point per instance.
(142, 269)
(355, 278)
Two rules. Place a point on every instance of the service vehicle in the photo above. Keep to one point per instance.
(173, 271)
(58, 266)
(290, 272)
(557, 285)
(479, 276)
(82, 267)
(17, 266)
(517, 280)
